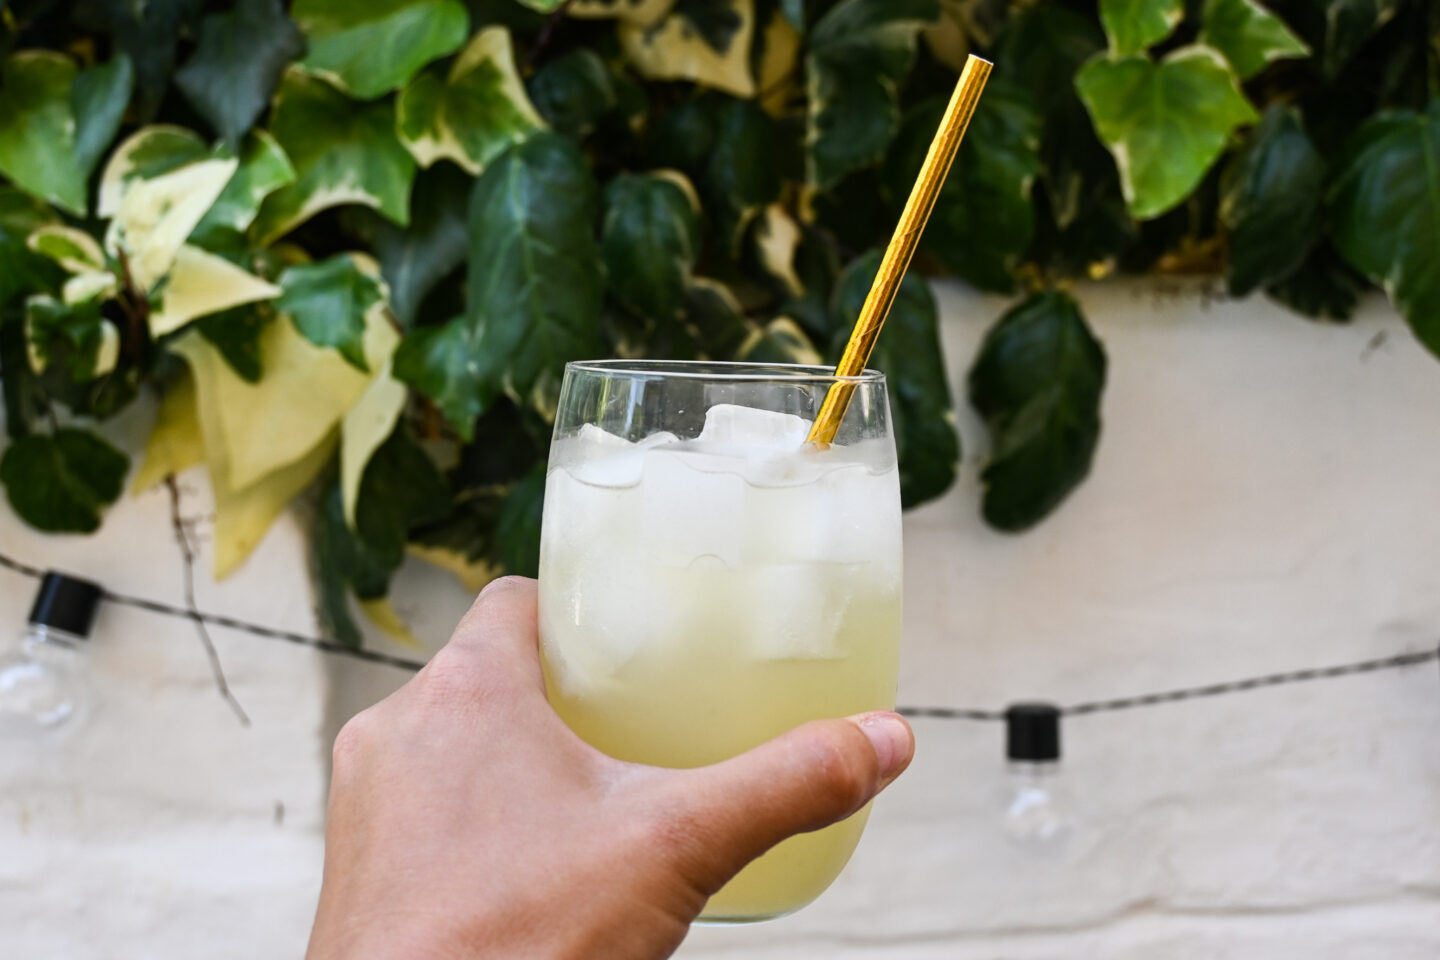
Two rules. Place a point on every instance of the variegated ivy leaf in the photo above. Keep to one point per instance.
(199, 283)
(156, 188)
(369, 47)
(328, 302)
(859, 53)
(74, 250)
(55, 121)
(473, 113)
(342, 151)
(544, 6)
(364, 429)
(1165, 123)
(642, 13)
(777, 236)
(1248, 35)
(1136, 25)
(264, 168)
(74, 336)
(707, 41)
(146, 154)
(782, 340)
(78, 254)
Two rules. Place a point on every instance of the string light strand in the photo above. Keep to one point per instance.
(1179, 695)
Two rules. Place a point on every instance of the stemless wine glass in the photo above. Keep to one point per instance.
(708, 581)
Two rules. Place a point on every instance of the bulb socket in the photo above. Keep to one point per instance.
(66, 604)
(1032, 732)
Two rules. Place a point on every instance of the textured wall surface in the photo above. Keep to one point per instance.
(1263, 500)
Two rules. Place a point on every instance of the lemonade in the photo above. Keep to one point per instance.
(699, 597)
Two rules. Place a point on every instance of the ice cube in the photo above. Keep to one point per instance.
(692, 506)
(734, 428)
(599, 458)
(795, 612)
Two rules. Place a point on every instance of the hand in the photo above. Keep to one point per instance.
(466, 820)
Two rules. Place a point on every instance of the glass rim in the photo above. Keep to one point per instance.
(735, 371)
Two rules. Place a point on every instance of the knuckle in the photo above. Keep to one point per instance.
(847, 766)
(674, 835)
(446, 682)
(353, 742)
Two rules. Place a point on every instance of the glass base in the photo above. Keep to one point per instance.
(719, 920)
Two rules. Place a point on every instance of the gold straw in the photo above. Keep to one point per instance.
(902, 246)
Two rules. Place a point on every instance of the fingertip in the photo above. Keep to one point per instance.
(891, 738)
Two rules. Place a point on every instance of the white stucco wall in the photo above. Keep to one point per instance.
(1263, 500)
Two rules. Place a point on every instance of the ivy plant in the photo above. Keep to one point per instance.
(348, 245)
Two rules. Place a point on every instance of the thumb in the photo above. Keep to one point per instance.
(808, 778)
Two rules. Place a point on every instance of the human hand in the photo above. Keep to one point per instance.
(466, 820)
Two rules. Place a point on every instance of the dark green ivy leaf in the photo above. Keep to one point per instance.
(148, 33)
(238, 63)
(327, 302)
(401, 489)
(341, 563)
(22, 270)
(25, 401)
(66, 338)
(574, 92)
(99, 98)
(728, 149)
(535, 277)
(442, 363)
(983, 220)
(413, 260)
(1271, 202)
(504, 447)
(859, 53)
(1037, 382)
(908, 352)
(60, 483)
(236, 334)
(650, 239)
(1385, 212)
(517, 527)
(1348, 24)
(1323, 287)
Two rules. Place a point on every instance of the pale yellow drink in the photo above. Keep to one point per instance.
(696, 603)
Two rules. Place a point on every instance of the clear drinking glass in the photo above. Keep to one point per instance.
(708, 581)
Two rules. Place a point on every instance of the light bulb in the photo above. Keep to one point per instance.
(1034, 812)
(45, 688)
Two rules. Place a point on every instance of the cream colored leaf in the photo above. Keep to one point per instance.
(472, 574)
(74, 250)
(674, 49)
(253, 429)
(381, 612)
(776, 237)
(779, 79)
(245, 511)
(88, 286)
(175, 443)
(364, 428)
(199, 284)
(641, 13)
(107, 354)
(683, 182)
(155, 216)
(243, 517)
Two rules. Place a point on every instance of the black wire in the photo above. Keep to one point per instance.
(1182, 694)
